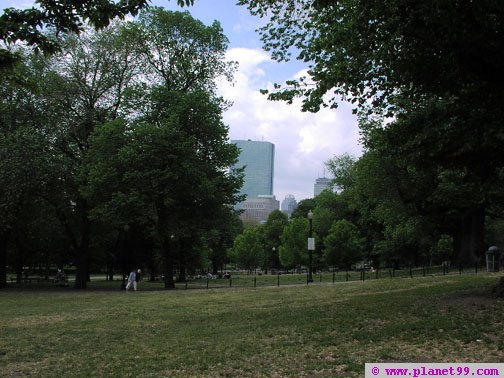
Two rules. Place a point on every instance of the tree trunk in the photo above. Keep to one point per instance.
(169, 283)
(4, 237)
(182, 274)
(469, 239)
(82, 258)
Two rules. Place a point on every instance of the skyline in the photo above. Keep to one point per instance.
(303, 141)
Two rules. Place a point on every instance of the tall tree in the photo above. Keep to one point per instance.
(169, 173)
(85, 89)
(273, 229)
(25, 153)
(293, 251)
(183, 53)
(343, 245)
(248, 249)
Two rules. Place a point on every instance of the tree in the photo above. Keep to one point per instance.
(341, 168)
(273, 229)
(168, 172)
(329, 208)
(84, 88)
(68, 16)
(25, 154)
(294, 248)
(304, 206)
(248, 249)
(380, 51)
(182, 52)
(343, 245)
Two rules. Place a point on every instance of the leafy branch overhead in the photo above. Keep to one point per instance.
(376, 51)
(63, 16)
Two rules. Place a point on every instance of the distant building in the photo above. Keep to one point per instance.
(289, 204)
(321, 184)
(258, 158)
(258, 209)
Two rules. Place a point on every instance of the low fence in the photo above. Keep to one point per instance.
(241, 280)
(324, 277)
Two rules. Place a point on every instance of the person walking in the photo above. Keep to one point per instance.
(131, 281)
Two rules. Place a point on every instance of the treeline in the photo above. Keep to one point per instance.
(371, 216)
(113, 151)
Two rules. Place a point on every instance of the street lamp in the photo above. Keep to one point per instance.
(311, 247)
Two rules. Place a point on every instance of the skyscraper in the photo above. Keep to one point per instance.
(321, 184)
(289, 204)
(258, 158)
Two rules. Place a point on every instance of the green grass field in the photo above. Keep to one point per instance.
(322, 330)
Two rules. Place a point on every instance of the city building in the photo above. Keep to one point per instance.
(258, 209)
(258, 158)
(321, 184)
(289, 204)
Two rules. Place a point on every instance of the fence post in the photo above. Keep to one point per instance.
(278, 277)
(411, 272)
(347, 275)
(186, 284)
(460, 269)
(230, 280)
(423, 270)
(333, 276)
(207, 283)
(476, 268)
(255, 281)
(320, 277)
(377, 269)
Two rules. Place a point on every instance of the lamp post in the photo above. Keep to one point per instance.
(273, 259)
(311, 247)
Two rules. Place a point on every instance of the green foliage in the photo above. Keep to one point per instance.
(69, 16)
(168, 173)
(343, 245)
(124, 157)
(443, 249)
(341, 169)
(329, 208)
(182, 52)
(293, 251)
(304, 206)
(248, 249)
(378, 51)
(272, 230)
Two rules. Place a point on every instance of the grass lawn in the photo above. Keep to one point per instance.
(299, 331)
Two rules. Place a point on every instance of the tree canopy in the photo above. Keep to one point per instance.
(69, 16)
(127, 163)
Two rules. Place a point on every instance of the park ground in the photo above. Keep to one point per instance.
(323, 330)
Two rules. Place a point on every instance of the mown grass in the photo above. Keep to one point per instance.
(299, 331)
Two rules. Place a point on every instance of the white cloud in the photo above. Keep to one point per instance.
(303, 141)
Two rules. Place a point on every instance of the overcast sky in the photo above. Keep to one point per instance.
(303, 141)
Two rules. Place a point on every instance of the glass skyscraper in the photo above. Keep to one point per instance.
(258, 159)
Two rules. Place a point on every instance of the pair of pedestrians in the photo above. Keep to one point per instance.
(133, 279)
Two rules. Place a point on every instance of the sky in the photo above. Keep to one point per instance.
(303, 141)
